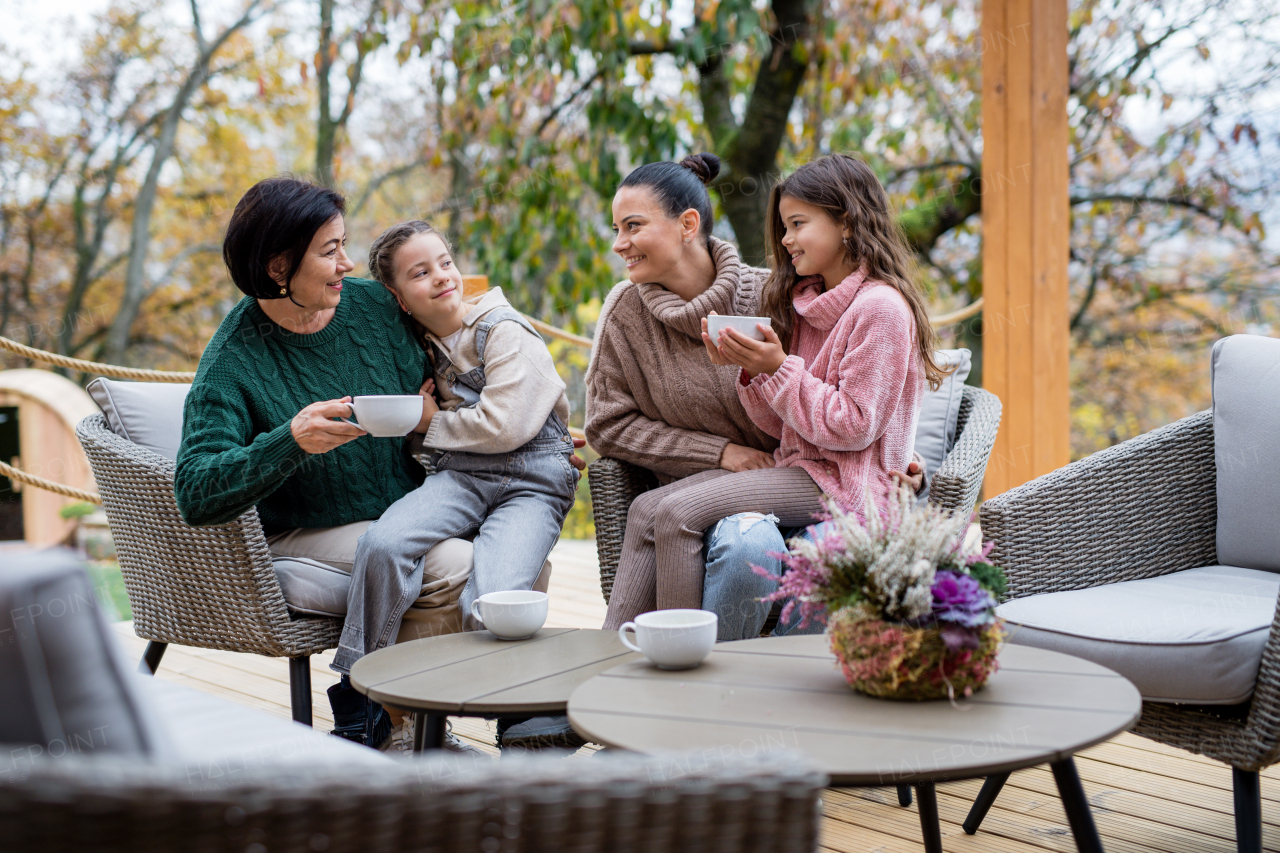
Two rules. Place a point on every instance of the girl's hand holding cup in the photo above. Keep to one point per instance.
(429, 405)
(751, 355)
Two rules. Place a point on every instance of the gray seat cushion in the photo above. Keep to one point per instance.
(147, 413)
(940, 413)
(1246, 447)
(66, 688)
(218, 741)
(312, 587)
(1193, 636)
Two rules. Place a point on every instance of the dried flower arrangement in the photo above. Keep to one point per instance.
(910, 613)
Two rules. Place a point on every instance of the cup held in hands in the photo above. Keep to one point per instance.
(717, 323)
(511, 615)
(386, 415)
(672, 639)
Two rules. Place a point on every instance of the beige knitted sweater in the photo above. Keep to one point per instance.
(521, 386)
(653, 397)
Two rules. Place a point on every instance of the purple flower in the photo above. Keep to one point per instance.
(959, 598)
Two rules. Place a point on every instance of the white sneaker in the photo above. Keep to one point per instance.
(400, 741)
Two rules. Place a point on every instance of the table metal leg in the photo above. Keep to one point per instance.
(904, 795)
(986, 799)
(428, 730)
(1077, 807)
(927, 797)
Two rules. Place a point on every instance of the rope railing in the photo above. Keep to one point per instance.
(48, 485)
(119, 372)
(112, 370)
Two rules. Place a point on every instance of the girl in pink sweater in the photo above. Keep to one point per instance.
(839, 376)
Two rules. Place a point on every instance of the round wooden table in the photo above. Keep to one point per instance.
(787, 693)
(475, 674)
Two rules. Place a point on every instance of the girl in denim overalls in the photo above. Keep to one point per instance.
(500, 446)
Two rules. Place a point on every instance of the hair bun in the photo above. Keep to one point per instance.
(705, 166)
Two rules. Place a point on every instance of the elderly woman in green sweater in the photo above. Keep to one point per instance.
(262, 427)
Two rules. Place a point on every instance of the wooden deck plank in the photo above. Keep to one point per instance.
(1146, 797)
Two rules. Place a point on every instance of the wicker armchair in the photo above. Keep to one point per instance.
(532, 804)
(209, 587)
(1141, 509)
(954, 486)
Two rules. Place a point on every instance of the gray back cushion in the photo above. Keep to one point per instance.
(940, 412)
(147, 413)
(1246, 449)
(66, 687)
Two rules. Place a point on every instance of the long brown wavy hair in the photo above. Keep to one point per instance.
(851, 194)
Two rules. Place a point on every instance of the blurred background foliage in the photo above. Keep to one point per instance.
(510, 124)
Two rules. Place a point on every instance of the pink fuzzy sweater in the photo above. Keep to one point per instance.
(845, 401)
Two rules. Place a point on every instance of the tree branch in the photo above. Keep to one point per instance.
(374, 185)
(969, 149)
(646, 48)
(930, 167)
(1125, 198)
(179, 259)
(555, 111)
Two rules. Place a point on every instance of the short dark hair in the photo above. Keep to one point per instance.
(278, 216)
(680, 186)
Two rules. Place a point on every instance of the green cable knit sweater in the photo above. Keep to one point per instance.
(237, 448)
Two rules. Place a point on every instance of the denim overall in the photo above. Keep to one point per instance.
(514, 502)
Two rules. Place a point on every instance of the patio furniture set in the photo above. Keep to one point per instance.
(1143, 585)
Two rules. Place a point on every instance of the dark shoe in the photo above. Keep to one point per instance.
(542, 733)
(355, 717)
(505, 723)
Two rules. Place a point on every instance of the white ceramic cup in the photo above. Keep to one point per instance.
(717, 323)
(512, 615)
(386, 415)
(672, 639)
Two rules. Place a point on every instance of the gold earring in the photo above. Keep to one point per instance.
(283, 291)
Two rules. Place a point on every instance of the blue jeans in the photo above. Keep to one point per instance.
(516, 501)
(731, 588)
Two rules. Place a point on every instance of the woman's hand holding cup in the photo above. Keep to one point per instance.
(713, 350)
(315, 429)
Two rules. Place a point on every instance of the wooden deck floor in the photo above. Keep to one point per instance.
(1145, 797)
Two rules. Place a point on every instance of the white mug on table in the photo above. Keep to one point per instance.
(672, 639)
(513, 614)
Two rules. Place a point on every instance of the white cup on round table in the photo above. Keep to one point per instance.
(672, 639)
(513, 614)
(386, 415)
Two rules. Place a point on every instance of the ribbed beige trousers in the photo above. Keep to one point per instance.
(662, 563)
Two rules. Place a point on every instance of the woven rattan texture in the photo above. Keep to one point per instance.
(954, 486)
(518, 805)
(1144, 508)
(210, 587)
(614, 485)
(1140, 509)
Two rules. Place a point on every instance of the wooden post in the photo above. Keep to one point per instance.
(473, 284)
(1025, 226)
